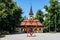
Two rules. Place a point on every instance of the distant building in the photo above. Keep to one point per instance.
(31, 24)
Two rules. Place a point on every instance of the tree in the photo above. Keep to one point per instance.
(54, 12)
(39, 15)
(10, 16)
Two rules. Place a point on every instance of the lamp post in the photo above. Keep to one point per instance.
(49, 22)
(55, 22)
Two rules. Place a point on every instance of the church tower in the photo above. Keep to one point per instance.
(31, 24)
(31, 15)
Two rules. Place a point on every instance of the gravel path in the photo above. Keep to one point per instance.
(39, 36)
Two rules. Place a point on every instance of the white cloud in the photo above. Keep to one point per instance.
(44, 11)
(58, 0)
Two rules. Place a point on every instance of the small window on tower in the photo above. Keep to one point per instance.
(30, 18)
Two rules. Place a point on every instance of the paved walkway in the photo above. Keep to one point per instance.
(39, 36)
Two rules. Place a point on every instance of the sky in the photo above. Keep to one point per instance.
(36, 5)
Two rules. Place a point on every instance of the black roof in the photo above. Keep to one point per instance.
(31, 12)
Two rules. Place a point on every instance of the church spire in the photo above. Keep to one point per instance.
(31, 12)
(31, 15)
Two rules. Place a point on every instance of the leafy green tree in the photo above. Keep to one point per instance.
(54, 12)
(10, 16)
(39, 15)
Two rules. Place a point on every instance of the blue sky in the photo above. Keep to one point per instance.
(36, 5)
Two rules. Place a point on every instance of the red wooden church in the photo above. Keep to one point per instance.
(31, 24)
